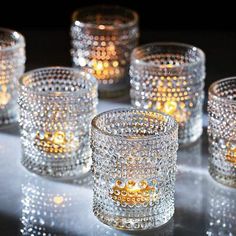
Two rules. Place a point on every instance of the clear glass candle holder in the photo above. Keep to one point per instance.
(57, 105)
(169, 77)
(222, 131)
(12, 61)
(102, 40)
(134, 165)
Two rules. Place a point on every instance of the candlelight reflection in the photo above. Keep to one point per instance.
(46, 208)
(221, 210)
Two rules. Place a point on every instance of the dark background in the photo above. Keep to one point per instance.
(205, 24)
(154, 14)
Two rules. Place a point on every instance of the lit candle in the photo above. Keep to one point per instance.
(137, 178)
(171, 100)
(56, 107)
(175, 109)
(169, 77)
(4, 96)
(12, 60)
(56, 142)
(134, 192)
(104, 63)
(103, 38)
(231, 153)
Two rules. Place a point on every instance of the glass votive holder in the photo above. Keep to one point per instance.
(57, 105)
(169, 77)
(103, 38)
(12, 65)
(222, 131)
(134, 165)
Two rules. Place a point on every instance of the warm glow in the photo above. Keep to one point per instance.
(180, 116)
(166, 66)
(105, 66)
(175, 109)
(170, 107)
(170, 97)
(101, 27)
(59, 138)
(58, 200)
(4, 96)
(56, 142)
(133, 192)
(231, 154)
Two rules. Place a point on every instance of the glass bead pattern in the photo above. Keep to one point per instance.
(221, 209)
(102, 40)
(12, 65)
(45, 209)
(56, 108)
(222, 131)
(134, 164)
(169, 77)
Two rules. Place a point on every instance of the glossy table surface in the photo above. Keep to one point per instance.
(32, 205)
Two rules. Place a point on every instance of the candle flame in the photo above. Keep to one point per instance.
(4, 96)
(56, 142)
(104, 63)
(230, 153)
(174, 109)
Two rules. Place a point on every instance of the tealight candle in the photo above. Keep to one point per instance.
(128, 145)
(102, 40)
(12, 60)
(231, 152)
(56, 107)
(222, 131)
(169, 77)
(57, 142)
(134, 192)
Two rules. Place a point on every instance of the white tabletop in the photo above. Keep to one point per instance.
(32, 205)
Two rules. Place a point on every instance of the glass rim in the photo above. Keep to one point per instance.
(81, 23)
(166, 44)
(170, 130)
(59, 93)
(20, 40)
(212, 90)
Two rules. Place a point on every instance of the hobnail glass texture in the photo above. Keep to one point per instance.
(169, 77)
(12, 61)
(221, 210)
(102, 40)
(222, 131)
(134, 165)
(46, 208)
(57, 105)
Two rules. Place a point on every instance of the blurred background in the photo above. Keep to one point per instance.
(210, 26)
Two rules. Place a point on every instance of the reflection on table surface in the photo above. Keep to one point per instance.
(221, 210)
(33, 205)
